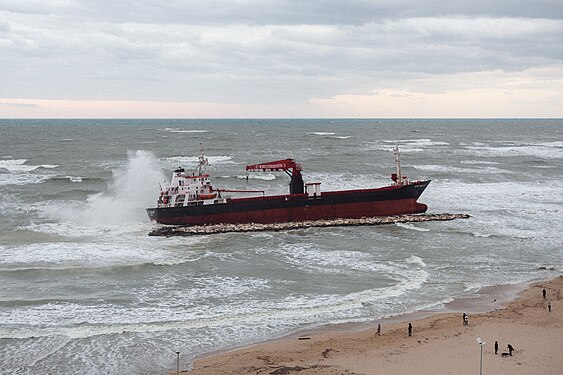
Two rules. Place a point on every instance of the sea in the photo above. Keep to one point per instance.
(84, 289)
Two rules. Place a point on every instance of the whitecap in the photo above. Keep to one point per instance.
(479, 162)
(448, 169)
(321, 133)
(413, 259)
(19, 165)
(21, 179)
(482, 235)
(75, 179)
(265, 177)
(194, 160)
(418, 142)
(177, 130)
(412, 226)
(539, 150)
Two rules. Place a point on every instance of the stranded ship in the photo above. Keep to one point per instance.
(190, 199)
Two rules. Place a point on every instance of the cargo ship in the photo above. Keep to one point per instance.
(190, 199)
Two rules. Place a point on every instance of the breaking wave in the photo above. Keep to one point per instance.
(133, 189)
(193, 160)
(19, 165)
(177, 130)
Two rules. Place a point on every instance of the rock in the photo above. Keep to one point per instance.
(256, 227)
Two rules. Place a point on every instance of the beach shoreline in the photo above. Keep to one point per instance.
(494, 312)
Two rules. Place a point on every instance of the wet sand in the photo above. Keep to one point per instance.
(440, 343)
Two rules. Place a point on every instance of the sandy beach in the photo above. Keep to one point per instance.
(440, 344)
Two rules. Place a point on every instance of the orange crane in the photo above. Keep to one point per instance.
(289, 166)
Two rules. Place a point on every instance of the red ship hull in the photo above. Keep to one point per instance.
(349, 204)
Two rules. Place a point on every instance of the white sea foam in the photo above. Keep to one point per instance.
(194, 160)
(321, 133)
(412, 227)
(21, 179)
(75, 179)
(539, 150)
(479, 162)
(178, 130)
(502, 208)
(415, 143)
(413, 259)
(451, 169)
(118, 249)
(483, 235)
(19, 165)
(265, 177)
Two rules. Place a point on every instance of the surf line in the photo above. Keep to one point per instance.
(169, 231)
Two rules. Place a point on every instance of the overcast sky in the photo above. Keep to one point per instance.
(281, 58)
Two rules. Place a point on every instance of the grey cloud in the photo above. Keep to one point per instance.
(262, 51)
(261, 12)
(28, 6)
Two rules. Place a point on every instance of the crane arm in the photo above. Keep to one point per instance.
(275, 166)
(289, 166)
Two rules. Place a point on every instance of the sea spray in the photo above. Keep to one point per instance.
(134, 188)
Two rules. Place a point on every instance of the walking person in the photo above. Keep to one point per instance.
(378, 333)
(465, 319)
(543, 292)
(510, 349)
(496, 347)
(549, 305)
(410, 329)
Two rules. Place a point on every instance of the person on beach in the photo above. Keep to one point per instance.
(465, 319)
(510, 349)
(549, 305)
(378, 333)
(410, 329)
(544, 292)
(496, 347)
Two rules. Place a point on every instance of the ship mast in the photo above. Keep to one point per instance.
(202, 160)
(398, 164)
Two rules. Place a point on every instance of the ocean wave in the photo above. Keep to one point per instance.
(194, 160)
(74, 179)
(265, 177)
(178, 130)
(450, 169)
(539, 150)
(412, 227)
(479, 162)
(321, 133)
(402, 148)
(19, 165)
(413, 259)
(418, 142)
(78, 269)
(482, 235)
(21, 179)
(125, 250)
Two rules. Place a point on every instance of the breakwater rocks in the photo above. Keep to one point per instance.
(255, 227)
